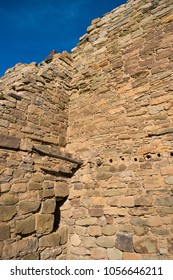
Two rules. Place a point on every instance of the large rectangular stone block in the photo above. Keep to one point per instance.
(10, 142)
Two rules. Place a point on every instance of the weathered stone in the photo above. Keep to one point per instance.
(87, 221)
(21, 247)
(19, 188)
(61, 189)
(126, 202)
(51, 240)
(89, 242)
(114, 254)
(7, 212)
(94, 231)
(25, 226)
(44, 223)
(63, 233)
(48, 206)
(32, 256)
(109, 230)
(11, 142)
(170, 245)
(96, 212)
(124, 242)
(105, 241)
(131, 256)
(50, 254)
(146, 245)
(164, 201)
(8, 199)
(143, 201)
(75, 240)
(98, 254)
(4, 231)
(26, 207)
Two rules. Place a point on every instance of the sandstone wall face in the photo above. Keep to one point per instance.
(109, 104)
(33, 184)
(121, 125)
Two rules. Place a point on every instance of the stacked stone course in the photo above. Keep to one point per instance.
(109, 103)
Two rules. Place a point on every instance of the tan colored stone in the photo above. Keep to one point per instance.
(98, 254)
(131, 256)
(7, 212)
(109, 229)
(126, 202)
(63, 233)
(51, 240)
(48, 206)
(75, 240)
(94, 231)
(146, 245)
(96, 212)
(44, 223)
(114, 254)
(61, 189)
(26, 207)
(86, 221)
(4, 231)
(25, 226)
(8, 199)
(21, 247)
(11, 142)
(105, 241)
(19, 188)
(143, 201)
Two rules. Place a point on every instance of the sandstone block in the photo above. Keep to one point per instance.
(48, 206)
(98, 254)
(87, 221)
(105, 241)
(63, 233)
(170, 245)
(50, 254)
(21, 247)
(169, 180)
(75, 240)
(144, 200)
(44, 223)
(164, 201)
(61, 189)
(96, 212)
(10, 142)
(146, 245)
(19, 188)
(4, 231)
(109, 229)
(7, 212)
(51, 240)
(32, 256)
(34, 186)
(124, 242)
(48, 193)
(114, 254)
(8, 199)
(131, 256)
(126, 202)
(94, 231)
(25, 226)
(28, 207)
(89, 242)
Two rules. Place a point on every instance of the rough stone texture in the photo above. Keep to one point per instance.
(26, 226)
(7, 141)
(109, 104)
(124, 242)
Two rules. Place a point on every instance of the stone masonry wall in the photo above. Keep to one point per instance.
(121, 124)
(109, 104)
(33, 184)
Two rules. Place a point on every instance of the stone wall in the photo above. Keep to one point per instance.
(109, 104)
(120, 123)
(33, 181)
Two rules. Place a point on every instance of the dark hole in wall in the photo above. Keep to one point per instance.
(57, 212)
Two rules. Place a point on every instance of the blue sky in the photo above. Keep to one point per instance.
(30, 29)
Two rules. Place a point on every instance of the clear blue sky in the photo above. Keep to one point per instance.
(30, 29)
